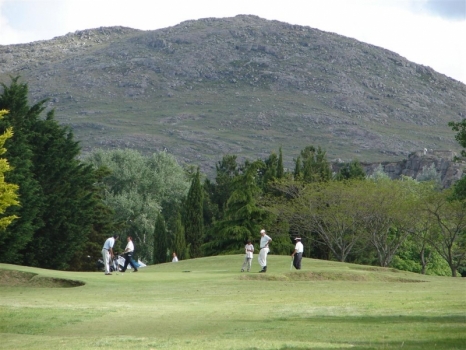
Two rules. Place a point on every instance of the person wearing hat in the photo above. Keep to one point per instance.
(297, 254)
(264, 250)
(107, 252)
(249, 249)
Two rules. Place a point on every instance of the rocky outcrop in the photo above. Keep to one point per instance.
(448, 168)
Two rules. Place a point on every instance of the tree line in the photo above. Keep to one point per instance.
(58, 207)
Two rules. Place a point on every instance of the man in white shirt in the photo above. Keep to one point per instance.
(264, 250)
(107, 252)
(298, 253)
(128, 254)
(249, 249)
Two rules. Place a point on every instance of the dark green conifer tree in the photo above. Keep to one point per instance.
(19, 154)
(315, 165)
(193, 220)
(179, 239)
(67, 188)
(280, 170)
(297, 169)
(243, 218)
(227, 169)
(160, 241)
(352, 170)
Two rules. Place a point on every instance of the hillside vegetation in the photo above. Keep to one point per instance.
(208, 303)
(241, 85)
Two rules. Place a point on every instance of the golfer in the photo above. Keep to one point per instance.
(297, 254)
(264, 246)
(175, 258)
(107, 252)
(249, 250)
(128, 254)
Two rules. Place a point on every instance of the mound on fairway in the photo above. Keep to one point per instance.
(12, 278)
(328, 276)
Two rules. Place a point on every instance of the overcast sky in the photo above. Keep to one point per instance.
(429, 32)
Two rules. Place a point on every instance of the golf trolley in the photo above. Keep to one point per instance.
(114, 264)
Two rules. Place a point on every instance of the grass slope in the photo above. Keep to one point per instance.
(208, 304)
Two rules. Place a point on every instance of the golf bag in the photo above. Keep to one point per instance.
(100, 265)
(113, 264)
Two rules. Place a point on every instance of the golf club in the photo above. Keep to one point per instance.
(291, 266)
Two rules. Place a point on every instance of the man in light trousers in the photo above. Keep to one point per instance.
(107, 252)
(264, 250)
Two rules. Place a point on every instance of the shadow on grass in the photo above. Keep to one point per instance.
(445, 332)
(444, 343)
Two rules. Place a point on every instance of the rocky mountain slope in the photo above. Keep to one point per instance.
(241, 85)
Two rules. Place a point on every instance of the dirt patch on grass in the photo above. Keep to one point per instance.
(11, 278)
(327, 276)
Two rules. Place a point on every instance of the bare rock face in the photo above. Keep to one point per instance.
(447, 167)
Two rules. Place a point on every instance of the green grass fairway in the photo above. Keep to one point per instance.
(209, 304)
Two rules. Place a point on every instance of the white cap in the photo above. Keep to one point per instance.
(262, 231)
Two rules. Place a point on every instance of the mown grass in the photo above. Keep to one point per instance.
(208, 304)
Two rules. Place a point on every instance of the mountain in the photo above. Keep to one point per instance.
(242, 85)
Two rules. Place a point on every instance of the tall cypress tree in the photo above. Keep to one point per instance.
(297, 169)
(280, 170)
(193, 220)
(19, 153)
(67, 188)
(179, 239)
(160, 241)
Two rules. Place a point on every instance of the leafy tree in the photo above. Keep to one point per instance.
(459, 187)
(379, 174)
(449, 237)
(160, 241)
(137, 189)
(335, 212)
(388, 216)
(430, 174)
(8, 192)
(352, 170)
(408, 255)
(460, 127)
(193, 220)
